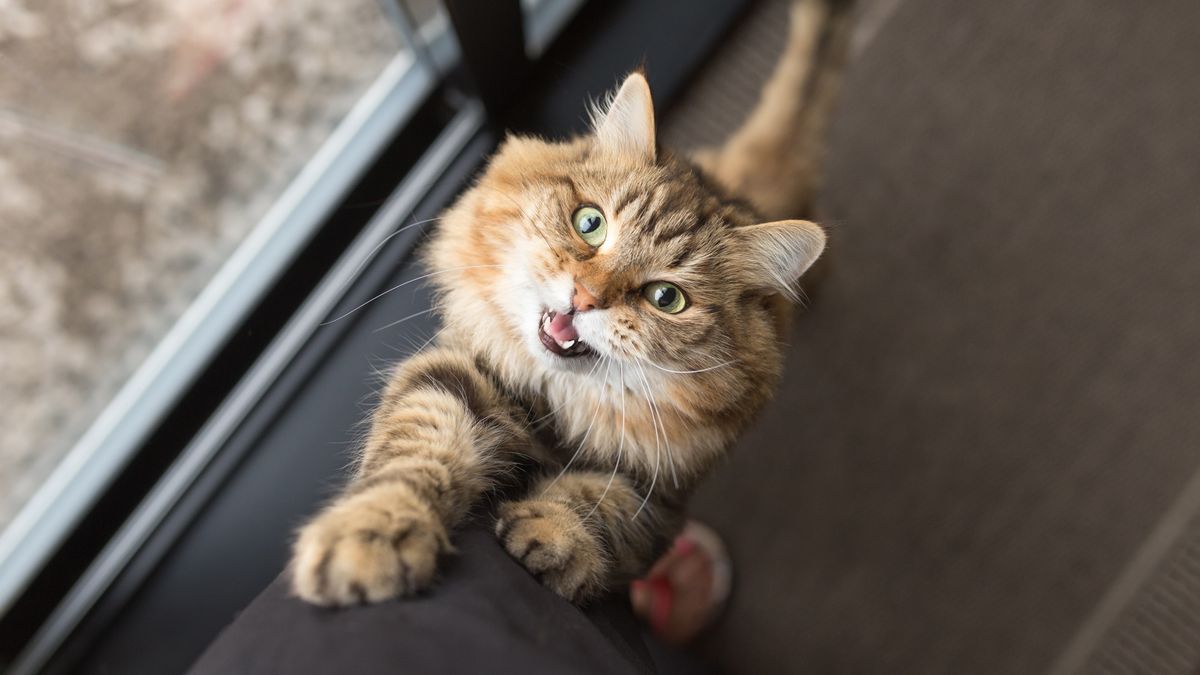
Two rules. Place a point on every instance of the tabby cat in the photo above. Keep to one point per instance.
(612, 322)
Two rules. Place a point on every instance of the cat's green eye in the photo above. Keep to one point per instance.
(590, 224)
(665, 297)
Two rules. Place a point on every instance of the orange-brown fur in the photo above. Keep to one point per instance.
(597, 454)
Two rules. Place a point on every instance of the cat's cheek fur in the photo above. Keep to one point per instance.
(528, 286)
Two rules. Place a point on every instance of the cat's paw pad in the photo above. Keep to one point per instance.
(366, 550)
(551, 541)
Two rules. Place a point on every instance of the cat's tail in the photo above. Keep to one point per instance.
(774, 158)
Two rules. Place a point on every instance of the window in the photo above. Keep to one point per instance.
(160, 162)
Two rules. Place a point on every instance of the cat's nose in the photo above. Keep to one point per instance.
(583, 300)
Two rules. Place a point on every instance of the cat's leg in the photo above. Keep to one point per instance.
(774, 158)
(579, 535)
(442, 433)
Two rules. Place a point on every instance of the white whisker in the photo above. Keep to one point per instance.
(564, 403)
(388, 238)
(657, 446)
(420, 348)
(405, 283)
(400, 321)
(689, 372)
(620, 449)
(428, 342)
(586, 433)
(657, 412)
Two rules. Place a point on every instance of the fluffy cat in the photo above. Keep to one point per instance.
(612, 323)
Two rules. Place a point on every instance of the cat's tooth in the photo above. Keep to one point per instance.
(568, 344)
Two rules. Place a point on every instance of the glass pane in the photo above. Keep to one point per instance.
(543, 20)
(140, 141)
(424, 12)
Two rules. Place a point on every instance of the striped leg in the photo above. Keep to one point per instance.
(578, 533)
(440, 437)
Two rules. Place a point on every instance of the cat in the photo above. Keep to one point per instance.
(613, 317)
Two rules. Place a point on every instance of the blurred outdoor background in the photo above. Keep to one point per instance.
(140, 141)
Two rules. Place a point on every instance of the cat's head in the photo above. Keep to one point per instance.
(602, 249)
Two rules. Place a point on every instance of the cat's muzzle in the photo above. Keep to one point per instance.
(558, 335)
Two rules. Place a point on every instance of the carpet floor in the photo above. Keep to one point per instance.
(982, 457)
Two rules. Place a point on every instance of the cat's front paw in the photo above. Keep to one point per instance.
(369, 548)
(551, 541)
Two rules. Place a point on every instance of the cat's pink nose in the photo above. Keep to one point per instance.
(583, 300)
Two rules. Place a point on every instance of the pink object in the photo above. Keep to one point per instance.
(696, 539)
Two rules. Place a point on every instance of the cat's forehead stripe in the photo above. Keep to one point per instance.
(628, 194)
(675, 224)
(566, 181)
(645, 205)
(681, 257)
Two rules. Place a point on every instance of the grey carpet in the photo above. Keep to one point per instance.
(995, 398)
(1149, 621)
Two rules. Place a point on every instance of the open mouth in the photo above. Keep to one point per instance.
(558, 335)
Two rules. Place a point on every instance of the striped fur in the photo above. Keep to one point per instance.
(591, 458)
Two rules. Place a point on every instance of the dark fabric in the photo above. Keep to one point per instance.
(486, 615)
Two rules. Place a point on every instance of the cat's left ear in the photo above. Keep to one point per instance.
(778, 253)
(627, 125)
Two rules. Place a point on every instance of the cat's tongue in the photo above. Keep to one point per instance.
(561, 327)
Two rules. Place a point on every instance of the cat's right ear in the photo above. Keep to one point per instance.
(777, 253)
(626, 126)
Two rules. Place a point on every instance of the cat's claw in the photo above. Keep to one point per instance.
(550, 540)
